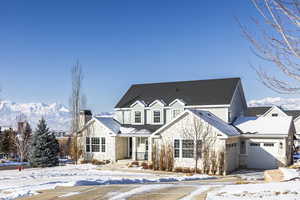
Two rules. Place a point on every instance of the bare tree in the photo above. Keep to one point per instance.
(22, 140)
(277, 43)
(203, 141)
(75, 106)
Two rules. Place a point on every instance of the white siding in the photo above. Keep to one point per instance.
(175, 131)
(238, 104)
(98, 130)
(275, 110)
(138, 107)
(156, 107)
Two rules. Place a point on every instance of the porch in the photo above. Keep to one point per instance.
(134, 148)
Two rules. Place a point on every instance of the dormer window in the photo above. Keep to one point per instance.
(156, 116)
(137, 117)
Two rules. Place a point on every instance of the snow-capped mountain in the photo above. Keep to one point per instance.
(56, 115)
(286, 103)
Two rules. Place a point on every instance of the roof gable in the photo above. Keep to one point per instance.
(200, 92)
(257, 111)
(294, 113)
(276, 109)
(224, 128)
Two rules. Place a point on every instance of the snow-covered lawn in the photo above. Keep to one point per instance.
(15, 184)
(290, 174)
(266, 191)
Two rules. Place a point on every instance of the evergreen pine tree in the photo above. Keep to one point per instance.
(45, 148)
(7, 144)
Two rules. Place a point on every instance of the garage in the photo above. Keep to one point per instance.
(267, 141)
(262, 155)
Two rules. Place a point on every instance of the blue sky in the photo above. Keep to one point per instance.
(120, 43)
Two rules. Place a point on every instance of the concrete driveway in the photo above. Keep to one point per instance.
(168, 191)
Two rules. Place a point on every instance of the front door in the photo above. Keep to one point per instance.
(130, 147)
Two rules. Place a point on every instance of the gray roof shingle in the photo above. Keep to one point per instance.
(256, 111)
(199, 92)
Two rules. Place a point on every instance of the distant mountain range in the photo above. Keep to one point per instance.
(57, 116)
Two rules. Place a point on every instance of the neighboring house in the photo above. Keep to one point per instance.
(276, 111)
(158, 113)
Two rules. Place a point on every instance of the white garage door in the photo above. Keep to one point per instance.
(262, 155)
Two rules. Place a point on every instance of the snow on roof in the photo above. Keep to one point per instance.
(216, 122)
(264, 125)
(134, 131)
(110, 123)
(117, 128)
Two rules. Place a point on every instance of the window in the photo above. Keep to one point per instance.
(147, 145)
(137, 116)
(187, 148)
(254, 144)
(275, 115)
(95, 144)
(156, 116)
(87, 144)
(176, 148)
(103, 144)
(269, 144)
(175, 113)
(243, 147)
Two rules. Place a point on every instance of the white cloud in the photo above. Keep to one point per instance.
(286, 103)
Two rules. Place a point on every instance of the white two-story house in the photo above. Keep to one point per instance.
(157, 113)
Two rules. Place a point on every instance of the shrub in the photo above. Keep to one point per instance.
(84, 161)
(135, 163)
(162, 161)
(169, 158)
(186, 170)
(107, 161)
(178, 169)
(145, 166)
(150, 166)
(221, 162)
(97, 162)
(198, 170)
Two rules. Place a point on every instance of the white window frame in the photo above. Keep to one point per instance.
(178, 149)
(95, 144)
(187, 149)
(134, 117)
(160, 116)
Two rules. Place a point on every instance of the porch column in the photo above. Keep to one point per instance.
(134, 144)
(150, 141)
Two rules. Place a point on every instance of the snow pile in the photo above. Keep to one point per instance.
(290, 174)
(268, 191)
(15, 184)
